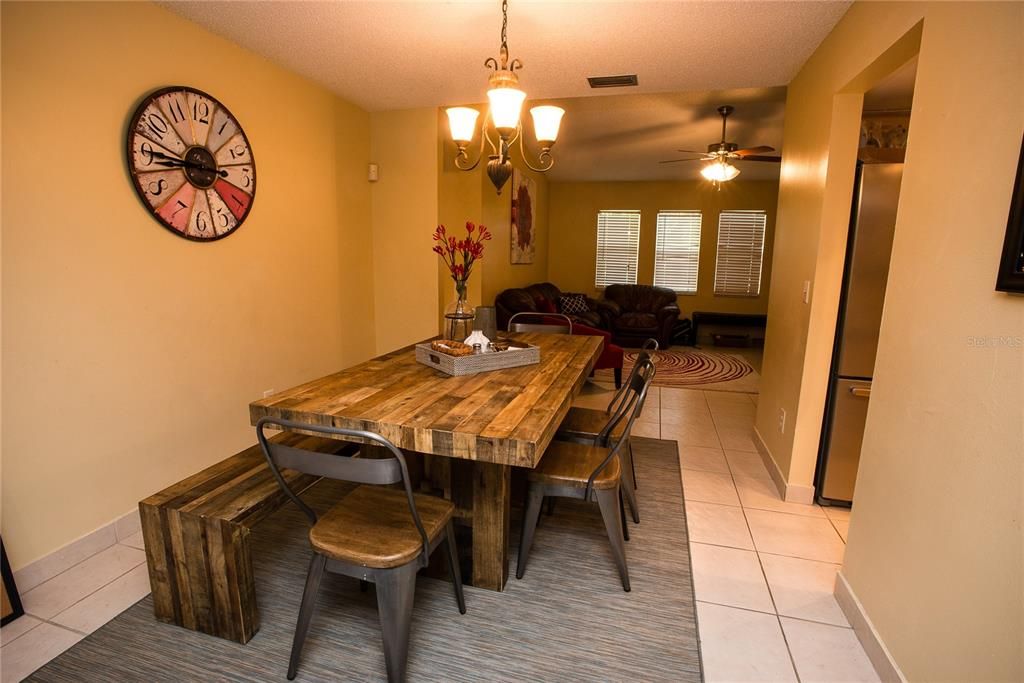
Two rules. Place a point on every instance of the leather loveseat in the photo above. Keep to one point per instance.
(640, 312)
(543, 297)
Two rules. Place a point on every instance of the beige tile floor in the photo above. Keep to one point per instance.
(71, 605)
(763, 568)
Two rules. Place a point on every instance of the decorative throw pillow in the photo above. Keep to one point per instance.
(573, 304)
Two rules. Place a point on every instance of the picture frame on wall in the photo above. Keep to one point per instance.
(10, 601)
(523, 227)
(1011, 265)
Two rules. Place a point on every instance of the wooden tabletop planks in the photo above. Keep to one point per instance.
(504, 416)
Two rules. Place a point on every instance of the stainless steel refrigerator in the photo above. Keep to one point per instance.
(872, 222)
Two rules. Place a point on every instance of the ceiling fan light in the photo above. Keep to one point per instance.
(506, 105)
(720, 171)
(546, 121)
(462, 123)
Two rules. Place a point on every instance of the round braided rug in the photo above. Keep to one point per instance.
(679, 369)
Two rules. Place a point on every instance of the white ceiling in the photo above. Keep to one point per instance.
(690, 58)
(624, 137)
(394, 55)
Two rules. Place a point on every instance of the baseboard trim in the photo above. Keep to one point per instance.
(879, 655)
(791, 493)
(66, 557)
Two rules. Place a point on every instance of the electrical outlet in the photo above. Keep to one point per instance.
(268, 392)
(782, 421)
(807, 291)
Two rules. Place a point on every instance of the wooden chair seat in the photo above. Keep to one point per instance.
(586, 423)
(570, 464)
(372, 527)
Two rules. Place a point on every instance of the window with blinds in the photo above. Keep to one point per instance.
(618, 240)
(677, 250)
(740, 250)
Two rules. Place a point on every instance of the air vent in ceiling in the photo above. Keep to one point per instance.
(612, 81)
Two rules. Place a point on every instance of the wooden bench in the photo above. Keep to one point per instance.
(197, 539)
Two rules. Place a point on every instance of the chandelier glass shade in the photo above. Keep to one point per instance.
(504, 114)
(720, 171)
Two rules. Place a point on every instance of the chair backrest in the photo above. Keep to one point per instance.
(518, 323)
(381, 471)
(636, 396)
(647, 351)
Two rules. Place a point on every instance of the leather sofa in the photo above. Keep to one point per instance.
(543, 298)
(640, 312)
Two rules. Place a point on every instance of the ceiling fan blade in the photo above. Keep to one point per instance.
(758, 157)
(672, 161)
(690, 151)
(754, 150)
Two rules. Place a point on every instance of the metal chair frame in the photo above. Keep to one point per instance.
(604, 437)
(395, 586)
(607, 499)
(540, 327)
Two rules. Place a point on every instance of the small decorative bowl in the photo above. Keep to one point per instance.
(499, 345)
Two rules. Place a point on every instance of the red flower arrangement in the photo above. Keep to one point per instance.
(460, 255)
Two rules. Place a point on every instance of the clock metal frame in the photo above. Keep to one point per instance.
(197, 154)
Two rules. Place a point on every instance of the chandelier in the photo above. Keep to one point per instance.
(506, 103)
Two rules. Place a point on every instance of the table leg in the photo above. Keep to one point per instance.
(491, 505)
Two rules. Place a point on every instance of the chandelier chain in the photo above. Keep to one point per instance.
(504, 23)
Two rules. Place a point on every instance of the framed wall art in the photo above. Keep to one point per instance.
(1011, 265)
(10, 602)
(524, 204)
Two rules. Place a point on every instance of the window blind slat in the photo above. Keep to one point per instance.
(740, 253)
(618, 242)
(677, 250)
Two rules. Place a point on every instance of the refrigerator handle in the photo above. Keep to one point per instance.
(861, 392)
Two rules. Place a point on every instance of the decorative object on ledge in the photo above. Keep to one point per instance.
(506, 103)
(1011, 266)
(722, 153)
(191, 163)
(523, 212)
(459, 256)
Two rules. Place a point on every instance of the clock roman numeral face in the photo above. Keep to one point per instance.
(191, 163)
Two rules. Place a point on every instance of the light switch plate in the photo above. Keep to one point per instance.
(807, 291)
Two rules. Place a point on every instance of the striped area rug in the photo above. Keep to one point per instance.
(697, 369)
(566, 620)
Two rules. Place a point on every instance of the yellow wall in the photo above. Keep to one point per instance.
(459, 199)
(935, 546)
(471, 196)
(499, 273)
(573, 211)
(405, 210)
(129, 354)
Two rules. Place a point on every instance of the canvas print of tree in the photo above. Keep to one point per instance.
(524, 197)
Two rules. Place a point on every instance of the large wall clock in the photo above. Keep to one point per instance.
(191, 163)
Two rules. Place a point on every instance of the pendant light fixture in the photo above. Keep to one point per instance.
(505, 100)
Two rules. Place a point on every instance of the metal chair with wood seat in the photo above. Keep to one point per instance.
(588, 472)
(518, 323)
(376, 534)
(584, 425)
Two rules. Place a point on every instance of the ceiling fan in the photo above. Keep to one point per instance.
(720, 154)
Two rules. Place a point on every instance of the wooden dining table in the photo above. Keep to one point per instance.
(480, 425)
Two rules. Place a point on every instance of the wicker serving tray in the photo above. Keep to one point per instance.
(458, 366)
